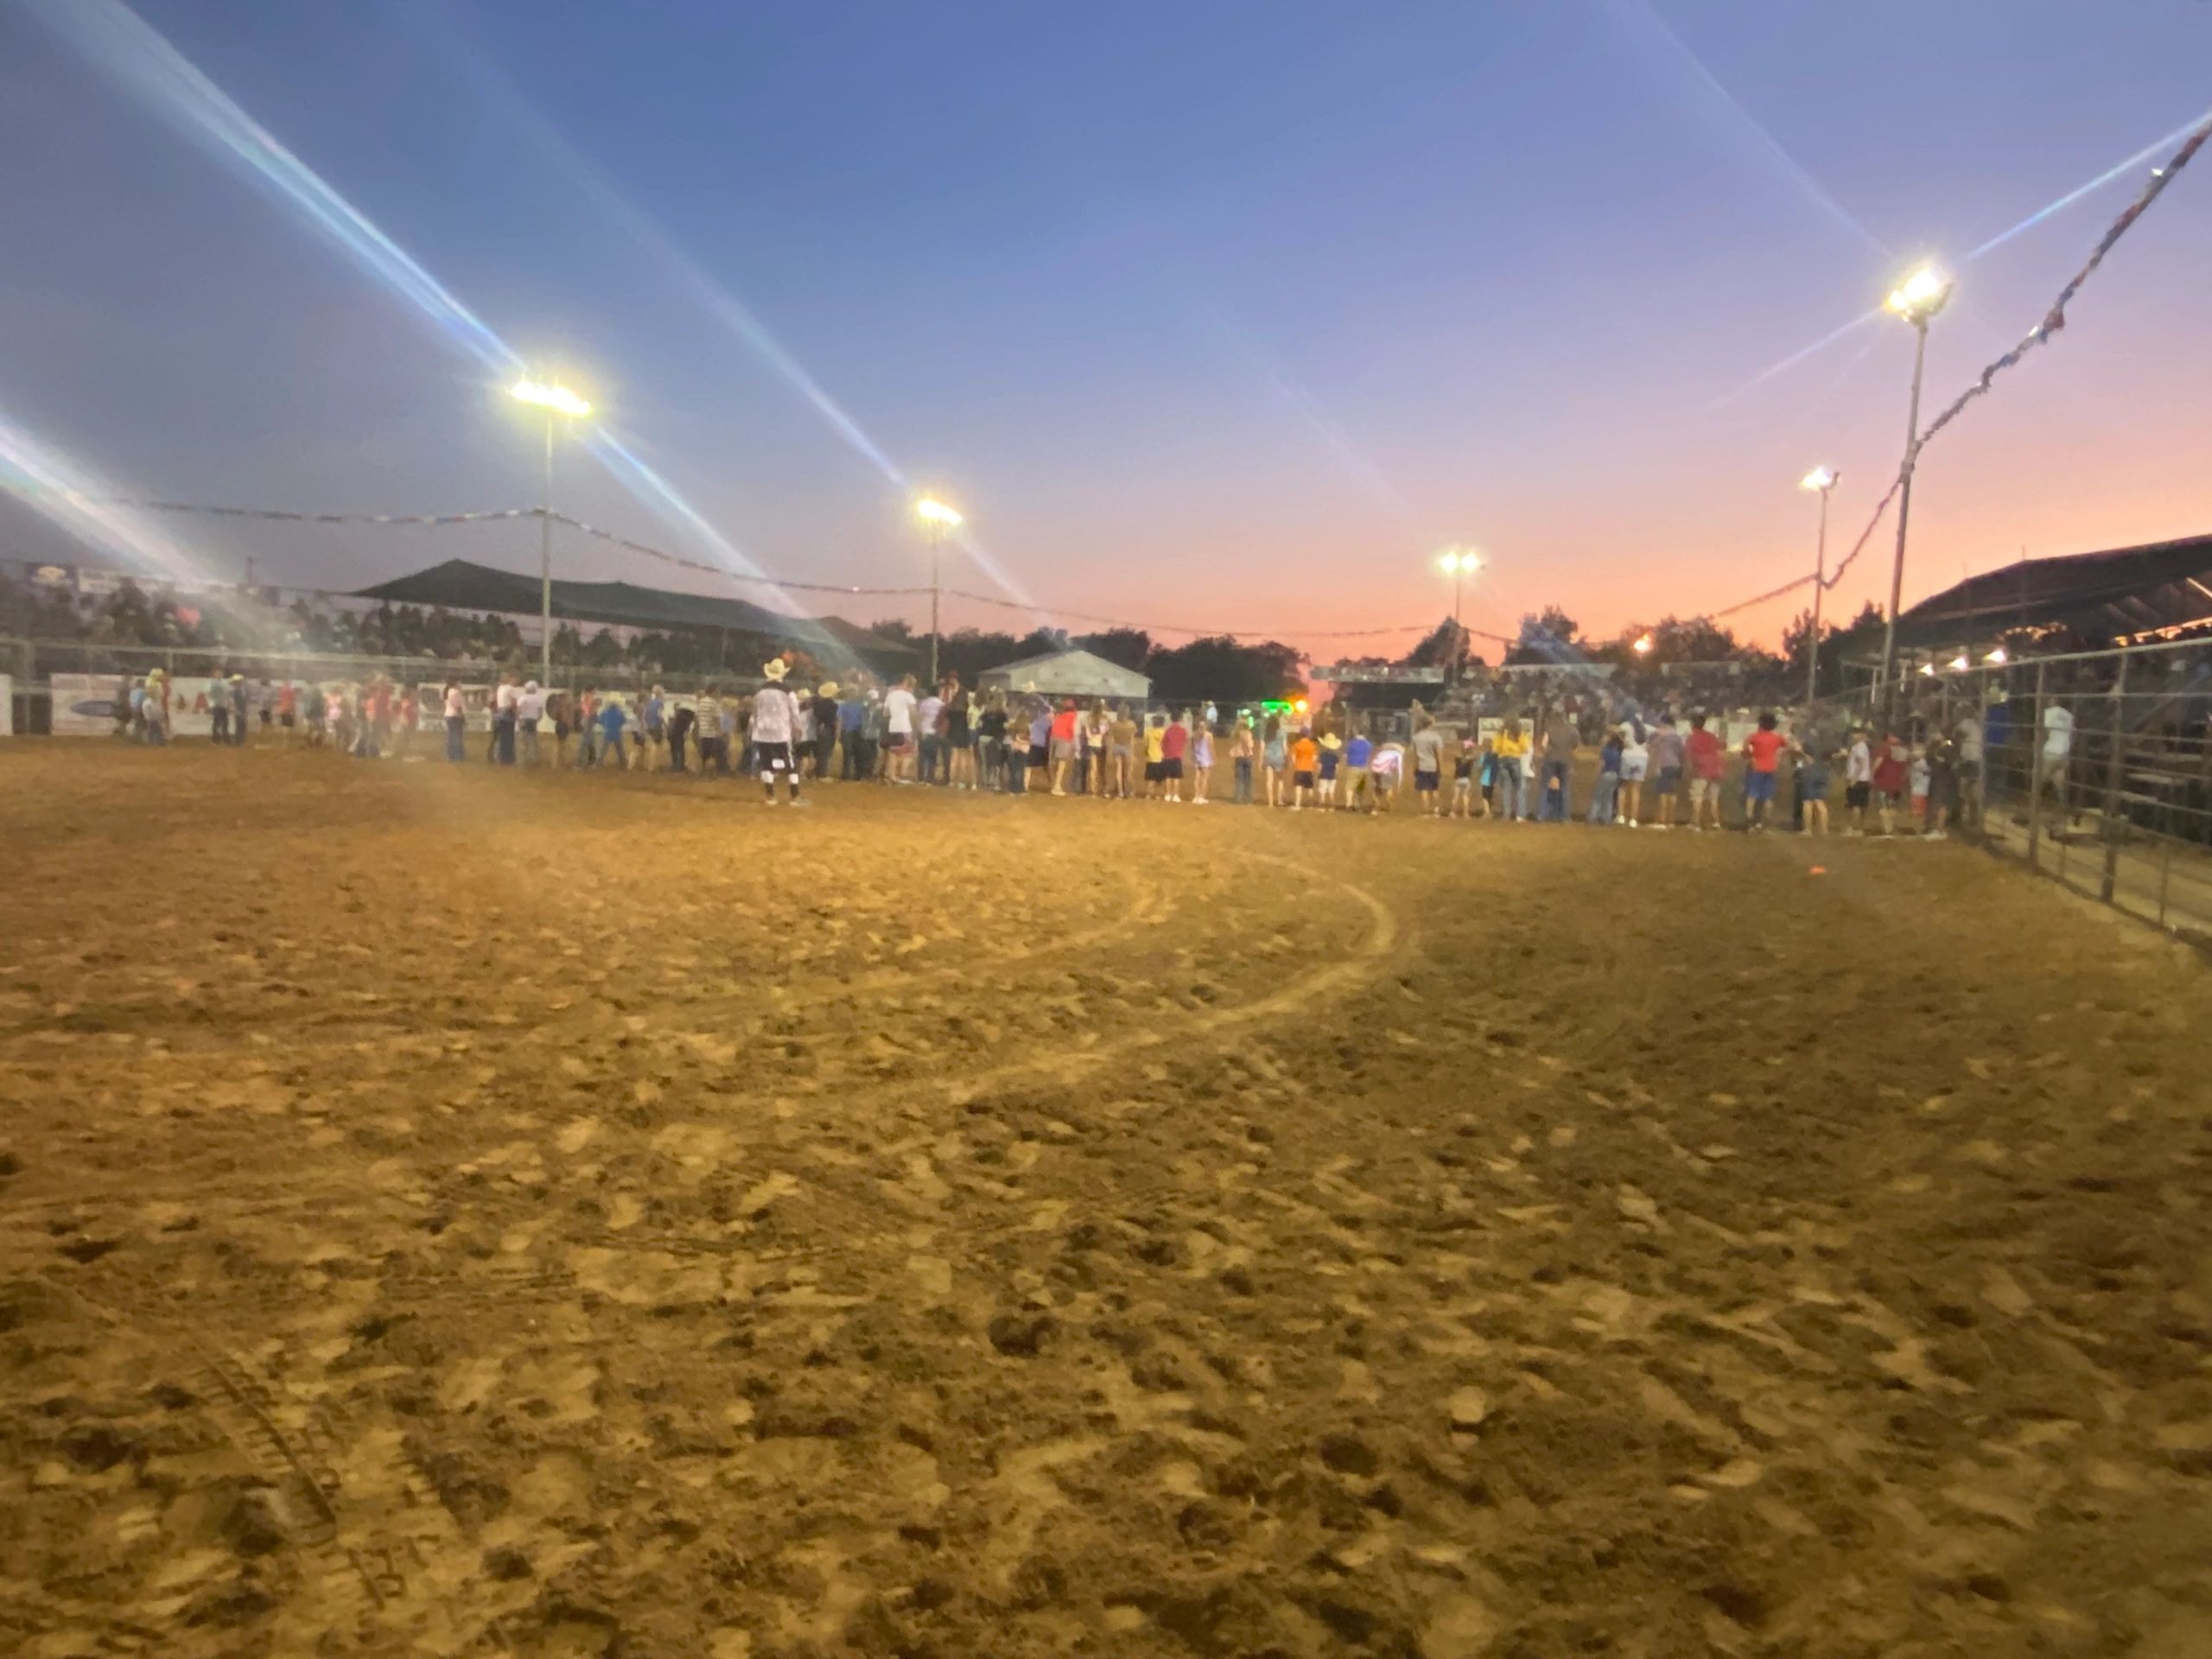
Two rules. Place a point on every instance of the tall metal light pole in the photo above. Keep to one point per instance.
(1917, 299)
(1823, 479)
(557, 400)
(1459, 563)
(937, 521)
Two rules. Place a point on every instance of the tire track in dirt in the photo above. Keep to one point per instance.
(368, 1565)
(1142, 903)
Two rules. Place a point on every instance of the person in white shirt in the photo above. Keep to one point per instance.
(927, 743)
(503, 719)
(1858, 782)
(529, 709)
(899, 728)
(1968, 735)
(2057, 750)
(456, 708)
(775, 729)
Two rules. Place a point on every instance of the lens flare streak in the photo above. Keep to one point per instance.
(77, 501)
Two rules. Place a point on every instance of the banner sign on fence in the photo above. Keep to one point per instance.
(1360, 674)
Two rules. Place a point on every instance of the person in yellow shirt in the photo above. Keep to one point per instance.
(1156, 754)
(1509, 751)
(1304, 761)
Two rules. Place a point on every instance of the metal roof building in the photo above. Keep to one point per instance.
(462, 585)
(2126, 593)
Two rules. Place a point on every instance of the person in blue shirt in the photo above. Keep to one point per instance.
(612, 719)
(1359, 790)
(1609, 780)
(651, 726)
(852, 732)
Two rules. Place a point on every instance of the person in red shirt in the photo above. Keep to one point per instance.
(1708, 758)
(1062, 751)
(1762, 752)
(1174, 743)
(1892, 778)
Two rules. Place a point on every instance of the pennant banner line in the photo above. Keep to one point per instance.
(2053, 320)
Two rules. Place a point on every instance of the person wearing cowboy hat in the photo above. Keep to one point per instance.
(775, 727)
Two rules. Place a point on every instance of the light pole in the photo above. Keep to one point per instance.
(1459, 563)
(939, 520)
(1917, 299)
(1823, 479)
(556, 400)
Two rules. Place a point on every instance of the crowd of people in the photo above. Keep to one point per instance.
(1662, 774)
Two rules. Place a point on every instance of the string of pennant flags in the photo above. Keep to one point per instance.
(275, 515)
(723, 571)
(1164, 627)
(1004, 603)
(2053, 320)
(284, 515)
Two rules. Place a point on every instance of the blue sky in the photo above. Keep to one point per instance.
(1219, 315)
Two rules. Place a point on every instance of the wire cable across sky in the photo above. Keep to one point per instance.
(2053, 320)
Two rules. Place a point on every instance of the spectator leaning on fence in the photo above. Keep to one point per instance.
(1968, 735)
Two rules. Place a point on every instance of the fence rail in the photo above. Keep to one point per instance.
(2096, 772)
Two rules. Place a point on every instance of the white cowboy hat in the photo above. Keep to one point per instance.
(775, 667)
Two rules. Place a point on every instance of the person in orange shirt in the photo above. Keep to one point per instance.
(1305, 761)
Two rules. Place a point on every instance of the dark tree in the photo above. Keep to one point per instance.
(1124, 647)
(1218, 669)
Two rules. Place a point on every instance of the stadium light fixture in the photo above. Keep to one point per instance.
(550, 395)
(1961, 662)
(1916, 299)
(1822, 479)
(1997, 656)
(1920, 296)
(938, 521)
(1459, 563)
(557, 401)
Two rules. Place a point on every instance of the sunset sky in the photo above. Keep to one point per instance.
(1216, 315)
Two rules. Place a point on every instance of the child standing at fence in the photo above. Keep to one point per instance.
(1813, 771)
(1921, 775)
(339, 717)
(1943, 763)
(1463, 767)
(1607, 788)
(1304, 763)
(1636, 761)
(1201, 759)
(1892, 780)
(1243, 749)
(1331, 764)
(1508, 753)
(1277, 757)
(1858, 782)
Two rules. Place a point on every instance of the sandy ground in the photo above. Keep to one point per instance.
(450, 1213)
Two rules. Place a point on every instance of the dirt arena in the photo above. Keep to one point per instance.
(456, 1213)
